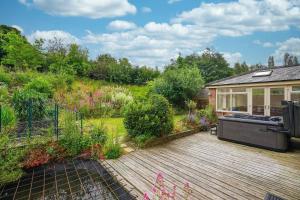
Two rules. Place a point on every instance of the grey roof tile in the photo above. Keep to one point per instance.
(278, 74)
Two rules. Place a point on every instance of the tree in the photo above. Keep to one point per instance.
(271, 62)
(295, 61)
(100, 67)
(77, 59)
(286, 59)
(240, 68)
(178, 85)
(19, 53)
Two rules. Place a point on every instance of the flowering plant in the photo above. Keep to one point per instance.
(160, 192)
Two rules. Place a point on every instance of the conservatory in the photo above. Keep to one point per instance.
(256, 93)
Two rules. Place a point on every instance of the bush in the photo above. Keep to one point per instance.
(5, 78)
(72, 140)
(98, 134)
(10, 170)
(40, 85)
(4, 97)
(112, 148)
(209, 114)
(153, 117)
(21, 99)
(178, 85)
(8, 118)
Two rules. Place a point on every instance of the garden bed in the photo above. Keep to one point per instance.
(168, 138)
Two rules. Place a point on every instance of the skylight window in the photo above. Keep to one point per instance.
(262, 73)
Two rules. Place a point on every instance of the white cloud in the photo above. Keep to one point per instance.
(232, 58)
(173, 1)
(65, 37)
(121, 25)
(263, 44)
(146, 10)
(94, 9)
(18, 27)
(291, 46)
(244, 16)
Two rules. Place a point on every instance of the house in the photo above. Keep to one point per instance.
(257, 93)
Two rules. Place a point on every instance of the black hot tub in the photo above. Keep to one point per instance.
(267, 132)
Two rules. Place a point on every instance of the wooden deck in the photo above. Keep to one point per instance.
(215, 169)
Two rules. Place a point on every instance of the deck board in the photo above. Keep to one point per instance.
(215, 169)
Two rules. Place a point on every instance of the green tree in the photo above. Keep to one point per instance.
(271, 62)
(19, 53)
(100, 67)
(77, 59)
(240, 68)
(179, 85)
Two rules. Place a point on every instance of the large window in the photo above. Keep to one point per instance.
(295, 93)
(232, 99)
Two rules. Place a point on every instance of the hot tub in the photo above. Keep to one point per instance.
(260, 131)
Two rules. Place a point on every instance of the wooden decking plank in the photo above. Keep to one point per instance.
(276, 184)
(215, 168)
(216, 177)
(255, 170)
(215, 188)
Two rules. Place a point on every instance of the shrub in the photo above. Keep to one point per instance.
(209, 114)
(21, 78)
(72, 140)
(153, 116)
(21, 100)
(5, 78)
(36, 157)
(112, 148)
(10, 170)
(98, 134)
(8, 118)
(178, 85)
(40, 85)
(4, 97)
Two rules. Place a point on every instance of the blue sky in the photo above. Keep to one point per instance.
(151, 32)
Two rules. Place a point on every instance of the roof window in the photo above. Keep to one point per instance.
(262, 73)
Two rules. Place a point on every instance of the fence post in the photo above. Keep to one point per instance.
(29, 110)
(81, 124)
(56, 121)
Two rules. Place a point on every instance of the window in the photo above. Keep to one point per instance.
(262, 73)
(235, 99)
(295, 94)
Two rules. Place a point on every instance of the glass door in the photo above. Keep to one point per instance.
(258, 101)
(276, 96)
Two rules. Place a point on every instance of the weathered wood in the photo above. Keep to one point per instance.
(215, 169)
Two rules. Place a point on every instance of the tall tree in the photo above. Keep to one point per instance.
(240, 68)
(271, 62)
(295, 61)
(286, 58)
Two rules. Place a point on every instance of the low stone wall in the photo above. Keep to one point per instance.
(168, 138)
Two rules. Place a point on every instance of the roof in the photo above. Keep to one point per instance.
(278, 74)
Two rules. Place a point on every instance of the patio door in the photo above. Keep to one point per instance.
(267, 101)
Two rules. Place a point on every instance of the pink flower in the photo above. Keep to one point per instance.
(146, 197)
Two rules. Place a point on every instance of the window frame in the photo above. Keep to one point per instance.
(231, 93)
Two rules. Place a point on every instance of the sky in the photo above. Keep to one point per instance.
(152, 32)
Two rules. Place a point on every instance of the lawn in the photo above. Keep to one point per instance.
(115, 125)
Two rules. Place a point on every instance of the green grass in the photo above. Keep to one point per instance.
(115, 125)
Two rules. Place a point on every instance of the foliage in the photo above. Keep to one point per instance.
(152, 116)
(91, 102)
(19, 53)
(240, 68)
(72, 139)
(290, 60)
(21, 103)
(191, 106)
(40, 85)
(160, 191)
(179, 84)
(140, 140)
(8, 118)
(10, 170)
(209, 114)
(98, 134)
(4, 95)
(120, 71)
(36, 157)
(112, 148)
(5, 78)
